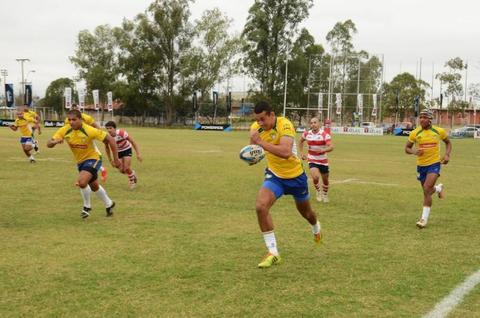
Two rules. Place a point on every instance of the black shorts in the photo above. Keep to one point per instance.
(323, 169)
(125, 153)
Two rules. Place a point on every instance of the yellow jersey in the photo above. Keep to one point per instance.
(429, 141)
(87, 119)
(25, 126)
(282, 168)
(30, 114)
(80, 141)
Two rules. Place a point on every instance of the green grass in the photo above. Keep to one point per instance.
(185, 242)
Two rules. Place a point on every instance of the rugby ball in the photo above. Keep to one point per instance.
(252, 154)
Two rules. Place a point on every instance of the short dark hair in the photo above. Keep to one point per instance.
(75, 112)
(262, 106)
(111, 123)
(74, 105)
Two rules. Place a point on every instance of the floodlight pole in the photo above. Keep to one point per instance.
(23, 60)
(286, 82)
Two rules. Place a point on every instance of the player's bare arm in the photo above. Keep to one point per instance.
(135, 147)
(301, 141)
(13, 127)
(110, 142)
(411, 151)
(52, 142)
(448, 150)
(282, 150)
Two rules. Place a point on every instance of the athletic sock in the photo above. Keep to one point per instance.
(131, 176)
(325, 189)
(102, 195)
(426, 212)
(85, 192)
(270, 242)
(437, 189)
(316, 228)
(317, 185)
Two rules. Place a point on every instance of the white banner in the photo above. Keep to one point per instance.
(81, 99)
(374, 110)
(110, 101)
(320, 101)
(367, 131)
(338, 98)
(96, 99)
(360, 103)
(68, 97)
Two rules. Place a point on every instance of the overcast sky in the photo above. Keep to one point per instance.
(45, 31)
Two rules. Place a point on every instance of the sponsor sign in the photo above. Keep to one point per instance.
(366, 131)
(68, 97)
(53, 123)
(7, 122)
(96, 99)
(225, 127)
(110, 101)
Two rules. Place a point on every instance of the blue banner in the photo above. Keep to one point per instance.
(9, 96)
(28, 95)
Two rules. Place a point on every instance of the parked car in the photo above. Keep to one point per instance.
(464, 132)
(367, 124)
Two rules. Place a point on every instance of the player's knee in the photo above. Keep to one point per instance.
(261, 208)
(82, 183)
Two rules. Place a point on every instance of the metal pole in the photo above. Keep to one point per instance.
(466, 75)
(23, 80)
(381, 89)
(433, 72)
(308, 81)
(286, 82)
(330, 87)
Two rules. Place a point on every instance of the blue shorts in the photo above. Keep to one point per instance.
(298, 187)
(26, 140)
(422, 171)
(92, 166)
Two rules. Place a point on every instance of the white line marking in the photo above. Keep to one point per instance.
(364, 182)
(447, 304)
(38, 159)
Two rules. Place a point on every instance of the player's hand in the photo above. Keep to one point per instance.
(419, 152)
(304, 157)
(445, 159)
(117, 163)
(139, 158)
(255, 137)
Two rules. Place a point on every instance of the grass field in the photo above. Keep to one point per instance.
(185, 242)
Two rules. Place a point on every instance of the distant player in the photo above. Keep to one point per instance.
(25, 124)
(284, 175)
(79, 137)
(29, 113)
(319, 143)
(426, 139)
(89, 120)
(125, 143)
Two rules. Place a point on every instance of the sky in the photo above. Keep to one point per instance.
(402, 31)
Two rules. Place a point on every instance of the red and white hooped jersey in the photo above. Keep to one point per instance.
(122, 141)
(317, 142)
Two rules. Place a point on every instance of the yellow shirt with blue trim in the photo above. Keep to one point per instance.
(428, 140)
(87, 119)
(30, 114)
(282, 168)
(80, 141)
(25, 125)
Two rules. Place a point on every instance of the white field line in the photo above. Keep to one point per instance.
(447, 304)
(16, 159)
(364, 182)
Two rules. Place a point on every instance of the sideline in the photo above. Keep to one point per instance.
(443, 308)
(363, 182)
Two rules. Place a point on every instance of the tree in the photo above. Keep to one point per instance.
(454, 89)
(402, 90)
(270, 28)
(95, 58)
(341, 36)
(214, 59)
(54, 96)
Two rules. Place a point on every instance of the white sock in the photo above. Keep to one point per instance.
(271, 242)
(102, 195)
(426, 212)
(31, 157)
(85, 192)
(316, 228)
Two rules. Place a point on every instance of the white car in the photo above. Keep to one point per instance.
(367, 124)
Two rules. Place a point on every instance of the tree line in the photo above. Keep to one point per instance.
(154, 62)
